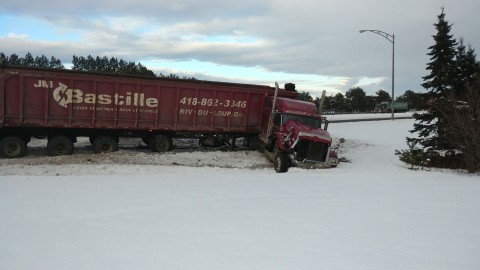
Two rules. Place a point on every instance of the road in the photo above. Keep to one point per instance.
(369, 119)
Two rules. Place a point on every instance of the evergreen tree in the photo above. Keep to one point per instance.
(112, 65)
(28, 60)
(305, 96)
(3, 60)
(439, 82)
(467, 67)
(339, 103)
(370, 103)
(41, 61)
(328, 104)
(55, 63)
(357, 99)
(416, 101)
(449, 124)
(382, 95)
(14, 59)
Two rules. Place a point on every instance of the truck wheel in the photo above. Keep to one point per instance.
(59, 146)
(12, 147)
(105, 144)
(161, 143)
(280, 161)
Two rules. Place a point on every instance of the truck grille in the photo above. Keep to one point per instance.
(311, 151)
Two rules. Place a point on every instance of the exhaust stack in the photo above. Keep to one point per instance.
(322, 100)
(272, 114)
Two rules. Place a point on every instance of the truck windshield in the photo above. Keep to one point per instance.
(307, 120)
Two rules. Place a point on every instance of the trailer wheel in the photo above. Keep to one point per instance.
(59, 146)
(12, 147)
(280, 161)
(105, 144)
(146, 140)
(161, 143)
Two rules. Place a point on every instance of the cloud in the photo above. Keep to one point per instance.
(17, 36)
(308, 38)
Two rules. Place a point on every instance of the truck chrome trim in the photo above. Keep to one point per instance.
(302, 135)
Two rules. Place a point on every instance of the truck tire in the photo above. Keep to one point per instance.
(12, 147)
(105, 144)
(280, 161)
(161, 143)
(59, 146)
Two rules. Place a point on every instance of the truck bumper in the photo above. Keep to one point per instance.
(309, 164)
(330, 162)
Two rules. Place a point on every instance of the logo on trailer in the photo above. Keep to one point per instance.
(64, 96)
(60, 96)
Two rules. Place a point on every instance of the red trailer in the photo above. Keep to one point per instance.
(62, 105)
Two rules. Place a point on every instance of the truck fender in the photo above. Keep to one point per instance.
(279, 142)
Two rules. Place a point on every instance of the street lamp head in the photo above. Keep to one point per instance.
(361, 31)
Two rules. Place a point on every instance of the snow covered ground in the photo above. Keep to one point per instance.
(205, 209)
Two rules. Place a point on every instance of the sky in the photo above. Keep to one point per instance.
(315, 44)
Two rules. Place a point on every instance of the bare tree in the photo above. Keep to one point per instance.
(462, 122)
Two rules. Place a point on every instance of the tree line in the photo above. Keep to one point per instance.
(356, 100)
(30, 61)
(89, 63)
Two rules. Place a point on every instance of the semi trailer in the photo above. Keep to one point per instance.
(61, 105)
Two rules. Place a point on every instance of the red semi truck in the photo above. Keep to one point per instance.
(61, 105)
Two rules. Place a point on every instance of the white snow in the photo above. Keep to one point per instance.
(229, 210)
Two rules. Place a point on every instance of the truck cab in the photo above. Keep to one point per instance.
(294, 134)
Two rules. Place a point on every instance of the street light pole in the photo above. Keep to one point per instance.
(390, 38)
